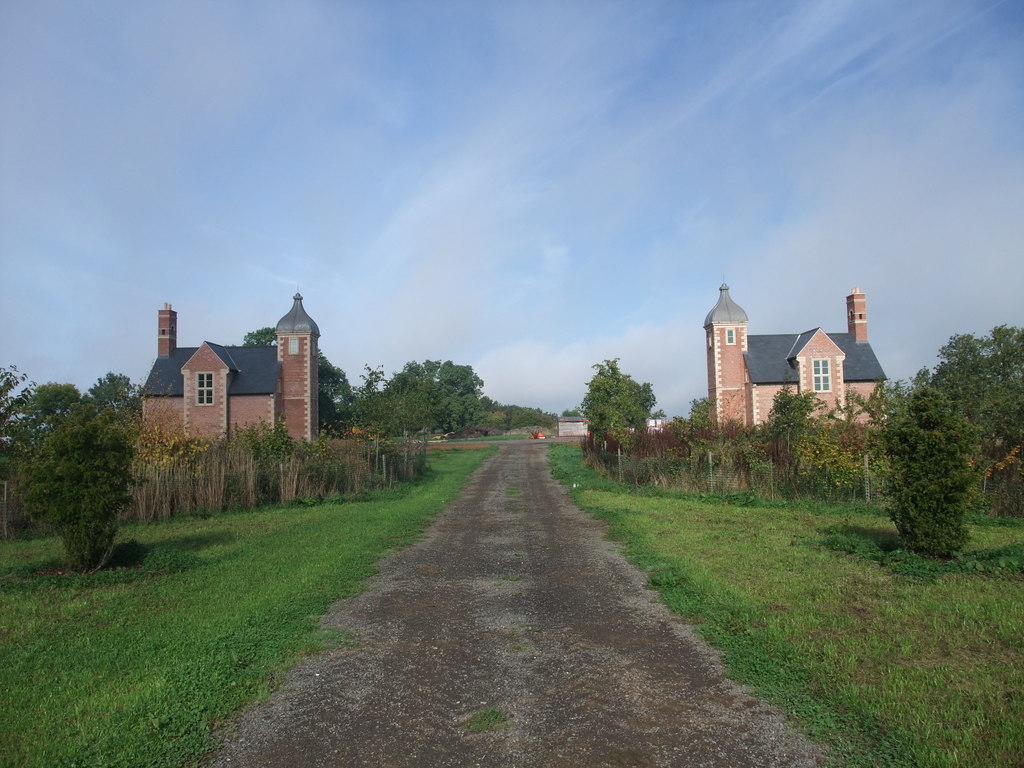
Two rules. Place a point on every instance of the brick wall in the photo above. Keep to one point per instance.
(299, 385)
(163, 411)
(821, 347)
(245, 410)
(207, 420)
(727, 373)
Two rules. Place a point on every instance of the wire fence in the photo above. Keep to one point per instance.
(1000, 490)
(716, 473)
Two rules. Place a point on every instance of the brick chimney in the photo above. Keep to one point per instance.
(167, 331)
(857, 315)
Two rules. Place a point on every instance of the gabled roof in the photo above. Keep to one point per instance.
(770, 358)
(803, 339)
(255, 370)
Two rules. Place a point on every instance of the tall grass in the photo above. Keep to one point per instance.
(888, 666)
(232, 475)
(135, 666)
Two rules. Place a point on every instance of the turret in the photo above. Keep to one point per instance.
(726, 331)
(297, 336)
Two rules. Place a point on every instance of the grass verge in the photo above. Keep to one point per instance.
(136, 666)
(886, 667)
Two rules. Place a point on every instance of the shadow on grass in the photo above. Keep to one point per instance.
(886, 541)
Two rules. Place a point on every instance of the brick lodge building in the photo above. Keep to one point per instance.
(745, 372)
(211, 390)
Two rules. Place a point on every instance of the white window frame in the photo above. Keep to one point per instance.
(204, 388)
(821, 372)
(730, 336)
(293, 345)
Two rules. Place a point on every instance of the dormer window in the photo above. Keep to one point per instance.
(730, 335)
(822, 375)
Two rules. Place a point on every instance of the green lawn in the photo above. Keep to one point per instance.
(887, 668)
(135, 666)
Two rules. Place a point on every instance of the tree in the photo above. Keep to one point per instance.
(791, 414)
(928, 449)
(334, 396)
(413, 401)
(261, 337)
(45, 408)
(78, 481)
(116, 391)
(460, 389)
(615, 403)
(371, 408)
(983, 378)
(14, 397)
(458, 392)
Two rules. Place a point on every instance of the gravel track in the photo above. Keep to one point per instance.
(512, 601)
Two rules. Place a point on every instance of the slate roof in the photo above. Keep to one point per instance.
(769, 357)
(256, 370)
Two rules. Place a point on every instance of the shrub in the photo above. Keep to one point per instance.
(77, 482)
(931, 479)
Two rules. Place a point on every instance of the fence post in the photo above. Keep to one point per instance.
(620, 463)
(711, 473)
(867, 479)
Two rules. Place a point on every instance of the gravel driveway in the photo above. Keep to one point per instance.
(513, 606)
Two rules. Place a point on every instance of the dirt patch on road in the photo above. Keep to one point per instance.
(512, 634)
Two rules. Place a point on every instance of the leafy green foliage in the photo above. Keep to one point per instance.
(372, 411)
(334, 396)
(505, 417)
(261, 337)
(930, 478)
(78, 481)
(265, 441)
(984, 377)
(791, 414)
(615, 403)
(45, 408)
(116, 391)
(1005, 560)
(14, 397)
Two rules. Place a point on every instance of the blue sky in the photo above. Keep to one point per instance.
(526, 187)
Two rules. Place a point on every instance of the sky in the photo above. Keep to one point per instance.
(526, 187)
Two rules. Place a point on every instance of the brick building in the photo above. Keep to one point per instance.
(745, 372)
(211, 389)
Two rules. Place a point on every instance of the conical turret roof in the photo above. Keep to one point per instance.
(297, 321)
(726, 310)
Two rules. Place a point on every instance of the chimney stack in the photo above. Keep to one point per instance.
(857, 315)
(167, 331)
